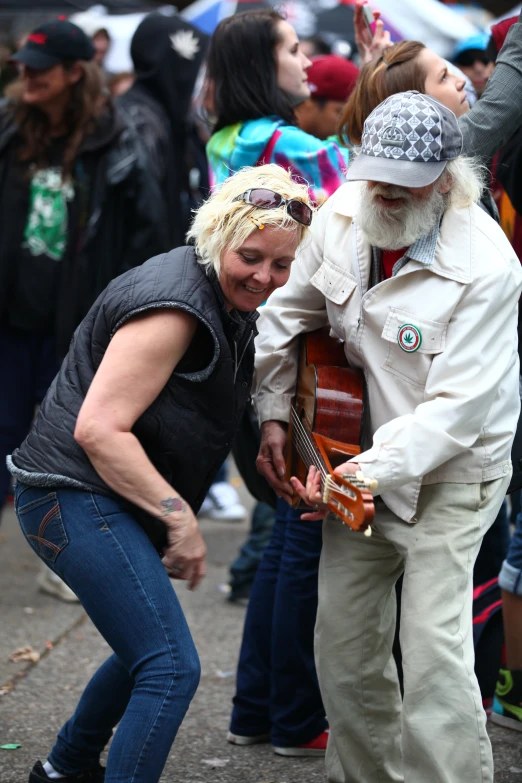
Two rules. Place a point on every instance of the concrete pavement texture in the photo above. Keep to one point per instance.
(36, 697)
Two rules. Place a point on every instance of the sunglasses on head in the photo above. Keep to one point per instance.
(269, 199)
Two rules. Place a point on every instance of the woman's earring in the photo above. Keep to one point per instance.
(257, 223)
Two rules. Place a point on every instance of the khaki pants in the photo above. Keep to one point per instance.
(438, 733)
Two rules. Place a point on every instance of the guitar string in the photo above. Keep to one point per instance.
(299, 443)
(308, 451)
(302, 441)
(306, 439)
(307, 465)
(316, 455)
(312, 456)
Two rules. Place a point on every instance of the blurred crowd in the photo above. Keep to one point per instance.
(101, 171)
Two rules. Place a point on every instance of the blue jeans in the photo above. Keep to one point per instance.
(277, 688)
(510, 577)
(103, 554)
(244, 567)
(222, 474)
(29, 365)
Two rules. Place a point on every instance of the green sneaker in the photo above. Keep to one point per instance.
(507, 704)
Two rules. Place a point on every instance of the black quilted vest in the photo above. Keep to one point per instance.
(188, 430)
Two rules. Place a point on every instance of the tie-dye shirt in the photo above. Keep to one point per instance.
(321, 164)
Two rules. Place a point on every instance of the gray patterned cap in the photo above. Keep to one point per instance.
(407, 140)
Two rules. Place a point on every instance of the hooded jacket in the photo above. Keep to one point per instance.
(111, 226)
(270, 140)
(167, 53)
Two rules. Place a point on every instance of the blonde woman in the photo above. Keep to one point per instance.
(124, 448)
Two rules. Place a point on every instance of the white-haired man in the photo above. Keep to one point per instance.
(422, 287)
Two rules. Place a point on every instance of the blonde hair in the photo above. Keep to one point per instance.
(221, 222)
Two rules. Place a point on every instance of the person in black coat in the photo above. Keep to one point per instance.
(167, 53)
(75, 211)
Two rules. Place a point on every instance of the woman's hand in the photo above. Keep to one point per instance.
(270, 461)
(370, 47)
(185, 554)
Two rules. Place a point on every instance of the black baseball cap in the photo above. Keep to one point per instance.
(54, 42)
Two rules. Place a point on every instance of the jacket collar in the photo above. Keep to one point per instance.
(235, 320)
(454, 249)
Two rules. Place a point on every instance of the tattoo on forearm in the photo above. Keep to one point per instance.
(173, 504)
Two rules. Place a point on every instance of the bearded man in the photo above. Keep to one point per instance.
(422, 287)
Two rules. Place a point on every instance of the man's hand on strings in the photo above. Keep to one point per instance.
(311, 494)
(270, 461)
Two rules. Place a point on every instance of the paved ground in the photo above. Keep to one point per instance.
(43, 694)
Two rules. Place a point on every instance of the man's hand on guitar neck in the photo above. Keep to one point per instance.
(271, 461)
(312, 495)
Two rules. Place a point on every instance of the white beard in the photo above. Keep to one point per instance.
(393, 229)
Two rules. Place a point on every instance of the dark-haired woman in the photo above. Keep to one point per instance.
(257, 75)
(71, 217)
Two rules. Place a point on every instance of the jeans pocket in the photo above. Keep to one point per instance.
(40, 518)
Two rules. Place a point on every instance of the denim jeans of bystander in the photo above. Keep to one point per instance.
(277, 690)
(244, 567)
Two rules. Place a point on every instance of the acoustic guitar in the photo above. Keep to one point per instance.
(325, 428)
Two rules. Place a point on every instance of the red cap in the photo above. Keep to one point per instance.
(499, 31)
(332, 78)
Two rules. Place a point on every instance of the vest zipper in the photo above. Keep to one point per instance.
(238, 363)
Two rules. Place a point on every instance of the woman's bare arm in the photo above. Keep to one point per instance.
(137, 364)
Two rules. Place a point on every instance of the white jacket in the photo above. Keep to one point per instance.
(446, 412)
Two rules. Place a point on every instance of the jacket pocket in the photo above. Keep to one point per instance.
(413, 342)
(40, 518)
(335, 283)
(337, 286)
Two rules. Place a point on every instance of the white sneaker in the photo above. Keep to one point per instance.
(222, 503)
(50, 583)
(206, 507)
(236, 739)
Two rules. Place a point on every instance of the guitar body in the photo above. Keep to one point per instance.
(329, 397)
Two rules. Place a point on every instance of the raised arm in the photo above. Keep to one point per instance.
(137, 365)
(498, 114)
